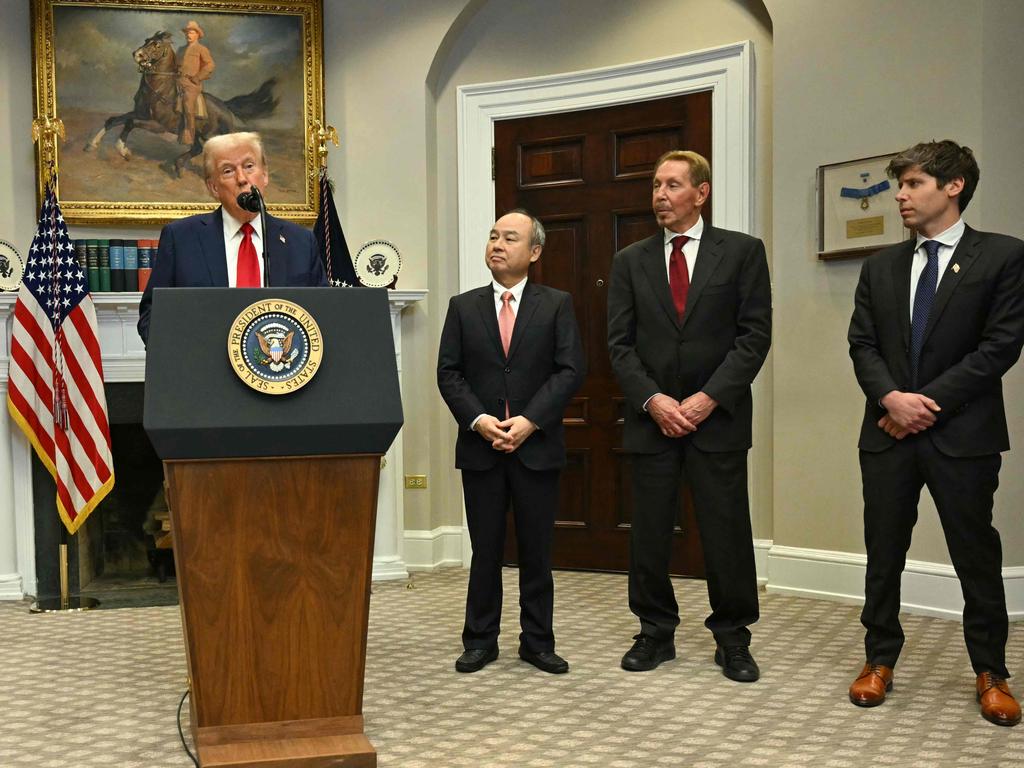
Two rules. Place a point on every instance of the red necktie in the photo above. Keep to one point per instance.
(248, 271)
(506, 322)
(678, 274)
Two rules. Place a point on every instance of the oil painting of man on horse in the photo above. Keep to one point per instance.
(159, 99)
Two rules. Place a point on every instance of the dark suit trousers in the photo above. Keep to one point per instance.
(718, 482)
(534, 498)
(962, 489)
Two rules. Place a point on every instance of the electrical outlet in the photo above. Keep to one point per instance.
(416, 481)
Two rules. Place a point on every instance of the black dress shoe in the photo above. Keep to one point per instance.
(475, 659)
(647, 653)
(548, 661)
(737, 663)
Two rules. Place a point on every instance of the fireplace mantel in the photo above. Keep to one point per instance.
(124, 360)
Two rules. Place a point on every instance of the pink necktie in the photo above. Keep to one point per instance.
(506, 321)
(678, 274)
(248, 270)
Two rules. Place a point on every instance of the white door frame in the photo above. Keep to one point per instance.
(726, 71)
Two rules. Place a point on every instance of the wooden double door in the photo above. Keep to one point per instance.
(587, 176)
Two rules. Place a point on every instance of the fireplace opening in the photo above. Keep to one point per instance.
(121, 554)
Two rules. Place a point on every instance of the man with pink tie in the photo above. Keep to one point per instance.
(510, 359)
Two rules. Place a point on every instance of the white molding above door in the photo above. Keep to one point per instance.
(727, 71)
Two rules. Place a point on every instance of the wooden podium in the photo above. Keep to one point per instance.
(273, 505)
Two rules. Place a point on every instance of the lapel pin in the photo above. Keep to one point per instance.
(956, 268)
(282, 239)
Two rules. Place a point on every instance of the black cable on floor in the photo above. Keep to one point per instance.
(182, 734)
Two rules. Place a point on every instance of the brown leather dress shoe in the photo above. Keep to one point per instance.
(997, 703)
(869, 689)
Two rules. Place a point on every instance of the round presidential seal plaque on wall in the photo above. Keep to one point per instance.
(11, 267)
(377, 264)
(275, 346)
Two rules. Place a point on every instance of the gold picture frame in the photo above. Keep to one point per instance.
(95, 60)
(856, 211)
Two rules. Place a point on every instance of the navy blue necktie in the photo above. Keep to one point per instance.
(923, 298)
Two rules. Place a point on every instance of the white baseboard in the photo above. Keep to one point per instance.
(931, 589)
(429, 550)
(389, 569)
(10, 586)
(761, 548)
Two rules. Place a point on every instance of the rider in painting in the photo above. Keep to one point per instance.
(195, 64)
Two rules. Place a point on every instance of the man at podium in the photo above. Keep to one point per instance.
(225, 248)
(510, 360)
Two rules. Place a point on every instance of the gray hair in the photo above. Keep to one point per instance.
(537, 234)
(226, 141)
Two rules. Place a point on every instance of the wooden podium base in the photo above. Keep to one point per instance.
(274, 559)
(338, 751)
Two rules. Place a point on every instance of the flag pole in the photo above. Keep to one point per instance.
(66, 602)
(45, 131)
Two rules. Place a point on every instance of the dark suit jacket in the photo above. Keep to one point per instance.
(545, 367)
(191, 255)
(974, 336)
(718, 348)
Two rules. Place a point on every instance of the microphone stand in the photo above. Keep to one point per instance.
(253, 202)
(263, 235)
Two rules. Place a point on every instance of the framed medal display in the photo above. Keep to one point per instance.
(857, 214)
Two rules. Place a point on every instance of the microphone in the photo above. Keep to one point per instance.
(251, 201)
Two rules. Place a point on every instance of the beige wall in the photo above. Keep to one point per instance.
(535, 37)
(391, 93)
(17, 175)
(848, 85)
(835, 80)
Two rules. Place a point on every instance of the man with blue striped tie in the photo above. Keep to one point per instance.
(938, 320)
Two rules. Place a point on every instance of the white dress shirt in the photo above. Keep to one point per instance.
(233, 239)
(517, 295)
(689, 249)
(947, 244)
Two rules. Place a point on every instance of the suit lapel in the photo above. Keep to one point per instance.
(527, 306)
(964, 257)
(901, 288)
(709, 256)
(653, 262)
(211, 241)
(277, 252)
(485, 303)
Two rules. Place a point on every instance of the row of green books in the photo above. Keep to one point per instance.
(116, 265)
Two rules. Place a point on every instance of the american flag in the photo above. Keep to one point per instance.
(55, 386)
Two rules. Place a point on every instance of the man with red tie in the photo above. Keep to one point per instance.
(224, 248)
(510, 359)
(689, 326)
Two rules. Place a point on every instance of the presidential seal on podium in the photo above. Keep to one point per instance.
(275, 346)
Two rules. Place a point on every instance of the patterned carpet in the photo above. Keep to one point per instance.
(101, 689)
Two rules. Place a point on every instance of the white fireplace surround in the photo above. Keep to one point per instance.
(124, 360)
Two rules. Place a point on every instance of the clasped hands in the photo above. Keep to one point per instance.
(505, 435)
(678, 418)
(907, 413)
